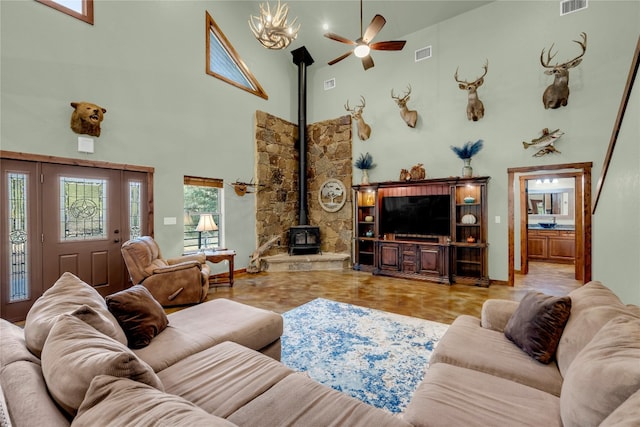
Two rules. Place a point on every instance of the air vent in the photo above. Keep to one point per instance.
(570, 6)
(330, 84)
(423, 53)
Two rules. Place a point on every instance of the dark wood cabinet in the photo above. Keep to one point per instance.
(460, 257)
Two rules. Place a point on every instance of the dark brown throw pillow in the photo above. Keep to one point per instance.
(537, 324)
(139, 314)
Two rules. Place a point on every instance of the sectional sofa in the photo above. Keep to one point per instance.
(215, 364)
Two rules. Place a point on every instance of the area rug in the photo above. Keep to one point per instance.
(372, 355)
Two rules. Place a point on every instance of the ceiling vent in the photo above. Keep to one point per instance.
(330, 84)
(570, 6)
(423, 53)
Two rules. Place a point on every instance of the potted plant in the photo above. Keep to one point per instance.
(364, 163)
(466, 152)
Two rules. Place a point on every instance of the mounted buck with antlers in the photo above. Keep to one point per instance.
(557, 94)
(475, 108)
(364, 130)
(410, 117)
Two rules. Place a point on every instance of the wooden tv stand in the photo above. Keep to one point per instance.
(461, 257)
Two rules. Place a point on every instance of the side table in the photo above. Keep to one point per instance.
(219, 256)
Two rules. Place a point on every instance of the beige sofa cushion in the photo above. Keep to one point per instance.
(603, 375)
(13, 346)
(592, 306)
(537, 324)
(491, 352)
(65, 296)
(626, 415)
(205, 325)
(139, 314)
(297, 400)
(75, 352)
(26, 396)
(116, 402)
(223, 378)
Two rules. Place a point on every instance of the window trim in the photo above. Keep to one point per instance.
(87, 9)
(220, 213)
(212, 27)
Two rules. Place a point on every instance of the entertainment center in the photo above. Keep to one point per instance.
(434, 229)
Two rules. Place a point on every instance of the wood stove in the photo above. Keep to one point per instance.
(304, 239)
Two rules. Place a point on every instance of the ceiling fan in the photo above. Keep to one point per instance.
(363, 44)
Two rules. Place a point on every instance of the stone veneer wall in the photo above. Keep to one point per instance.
(328, 156)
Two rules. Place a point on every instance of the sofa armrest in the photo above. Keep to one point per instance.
(496, 313)
(177, 267)
(200, 258)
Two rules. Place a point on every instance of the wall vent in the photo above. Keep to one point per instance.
(423, 53)
(570, 6)
(330, 84)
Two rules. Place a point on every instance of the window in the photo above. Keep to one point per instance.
(203, 221)
(81, 9)
(224, 63)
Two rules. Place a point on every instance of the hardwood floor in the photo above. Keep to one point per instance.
(281, 292)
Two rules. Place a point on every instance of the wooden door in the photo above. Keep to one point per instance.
(64, 217)
(82, 229)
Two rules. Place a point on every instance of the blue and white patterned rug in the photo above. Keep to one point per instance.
(372, 355)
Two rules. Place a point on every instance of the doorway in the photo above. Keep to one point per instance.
(556, 245)
(63, 216)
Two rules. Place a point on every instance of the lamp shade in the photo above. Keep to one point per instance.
(206, 223)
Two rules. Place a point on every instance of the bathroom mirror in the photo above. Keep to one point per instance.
(551, 202)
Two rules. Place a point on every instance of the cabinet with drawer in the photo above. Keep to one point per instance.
(552, 245)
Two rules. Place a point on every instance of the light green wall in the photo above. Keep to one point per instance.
(144, 62)
(511, 35)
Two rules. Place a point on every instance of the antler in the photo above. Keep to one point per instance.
(570, 63)
(406, 95)
(360, 107)
(346, 107)
(486, 69)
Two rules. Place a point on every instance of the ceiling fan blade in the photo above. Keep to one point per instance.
(338, 38)
(388, 45)
(367, 62)
(340, 58)
(374, 27)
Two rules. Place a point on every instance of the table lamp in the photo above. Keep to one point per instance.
(206, 223)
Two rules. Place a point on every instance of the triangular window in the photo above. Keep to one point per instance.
(224, 62)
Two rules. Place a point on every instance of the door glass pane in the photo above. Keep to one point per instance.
(18, 265)
(83, 211)
(135, 215)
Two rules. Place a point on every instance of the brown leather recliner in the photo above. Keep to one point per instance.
(176, 281)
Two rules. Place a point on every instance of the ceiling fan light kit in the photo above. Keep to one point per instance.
(272, 30)
(363, 46)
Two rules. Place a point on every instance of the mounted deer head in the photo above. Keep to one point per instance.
(410, 117)
(475, 108)
(557, 94)
(364, 130)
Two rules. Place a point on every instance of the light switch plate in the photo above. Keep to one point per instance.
(170, 220)
(85, 145)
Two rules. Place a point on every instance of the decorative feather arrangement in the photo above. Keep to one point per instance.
(468, 150)
(364, 162)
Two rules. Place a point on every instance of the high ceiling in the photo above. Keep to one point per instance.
(343, 18)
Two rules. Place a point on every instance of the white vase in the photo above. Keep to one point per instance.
(365, 177)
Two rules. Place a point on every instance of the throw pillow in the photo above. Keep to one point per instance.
(65, 296)
(603, 375)
(119, 402)
(139, 314)
(75, 352)
(537, 324)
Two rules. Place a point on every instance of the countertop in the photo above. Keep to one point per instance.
(565, 227)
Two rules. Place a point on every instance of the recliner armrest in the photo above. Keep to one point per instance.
(199, 257)
(177, 267)
(496, 313)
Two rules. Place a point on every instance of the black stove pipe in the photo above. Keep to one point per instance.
(302, 59)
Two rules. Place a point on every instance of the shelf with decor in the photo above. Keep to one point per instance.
(469, 232)
(365, 230)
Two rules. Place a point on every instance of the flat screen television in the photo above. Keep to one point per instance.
(416, 215)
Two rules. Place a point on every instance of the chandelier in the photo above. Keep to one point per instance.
(272, 30)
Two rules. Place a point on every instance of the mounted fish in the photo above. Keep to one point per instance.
(545, 143)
